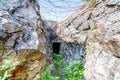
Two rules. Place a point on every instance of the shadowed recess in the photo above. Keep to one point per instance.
(56, 47)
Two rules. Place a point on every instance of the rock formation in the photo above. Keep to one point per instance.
(97, 28)
(71, 50)
(22, 38)
(103, 42)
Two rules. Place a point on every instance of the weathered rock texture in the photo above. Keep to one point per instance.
(103, 42)
(98, 29)
(71, 50)
(22, 38)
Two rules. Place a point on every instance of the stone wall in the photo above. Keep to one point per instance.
(22, 38)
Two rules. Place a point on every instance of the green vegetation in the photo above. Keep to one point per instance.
(47, 74)
(74, 71)
(5, 69)
(91, 6)
(92, 2)
(58, 61)
(85, 0)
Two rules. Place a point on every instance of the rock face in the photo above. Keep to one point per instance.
(98, 29)
(103, 43)
(22, 38)
(71, 50)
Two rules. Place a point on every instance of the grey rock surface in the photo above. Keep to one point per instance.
(71, 51)
(22, 38)
(98, 29)
(25, 40)
(103, 44)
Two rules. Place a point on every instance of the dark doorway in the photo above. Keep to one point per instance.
(56, 47)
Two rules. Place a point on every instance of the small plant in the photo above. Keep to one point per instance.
(47, 75)
(5, 69)
(58, 60)
(91, 6)
(75, 71)
(92, 2)
(85, 0)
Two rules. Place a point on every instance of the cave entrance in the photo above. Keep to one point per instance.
(56, 47)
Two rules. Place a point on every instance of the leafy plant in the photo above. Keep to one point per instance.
(75, 71)
(46, 75)
(58, 60)
(5, 69)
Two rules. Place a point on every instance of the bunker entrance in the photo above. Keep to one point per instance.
(56, 47)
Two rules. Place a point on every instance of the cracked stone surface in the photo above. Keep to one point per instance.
(71, 51)
(103, 44)
(98, 29)
(22, 38)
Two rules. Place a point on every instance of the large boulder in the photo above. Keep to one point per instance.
(22, 38)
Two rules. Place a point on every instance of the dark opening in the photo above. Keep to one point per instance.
(56, 47)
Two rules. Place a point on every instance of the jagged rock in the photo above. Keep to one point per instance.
(22, 38)
(103, 48)
(71, 50)
(98, 29)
